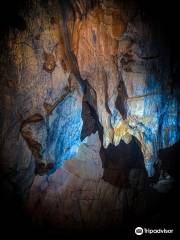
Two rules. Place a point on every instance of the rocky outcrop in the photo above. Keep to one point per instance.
(88, 98)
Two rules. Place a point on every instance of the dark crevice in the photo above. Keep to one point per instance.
(89, 122)
(169, 161)
(90, 95)
(121, 100)
(119, 160)
(122, 96)
(106, 94)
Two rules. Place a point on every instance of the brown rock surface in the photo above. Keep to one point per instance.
(77, 79)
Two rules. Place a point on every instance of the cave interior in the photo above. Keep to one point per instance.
(89, 116)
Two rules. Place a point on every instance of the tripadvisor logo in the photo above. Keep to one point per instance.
(140, 230)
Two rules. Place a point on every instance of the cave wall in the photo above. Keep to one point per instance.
(68, 66)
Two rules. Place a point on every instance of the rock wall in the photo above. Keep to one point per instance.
(77, 78)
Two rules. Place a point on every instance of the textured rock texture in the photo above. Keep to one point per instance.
(88, 98)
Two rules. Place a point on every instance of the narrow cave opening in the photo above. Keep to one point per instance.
(119, 160)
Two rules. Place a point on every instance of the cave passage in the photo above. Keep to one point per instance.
(119, 160)
(90, 116)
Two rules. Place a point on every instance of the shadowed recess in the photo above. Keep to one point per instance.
(119, 160)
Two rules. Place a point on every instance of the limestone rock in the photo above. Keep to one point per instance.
(81, 83)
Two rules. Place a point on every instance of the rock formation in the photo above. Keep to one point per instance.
(88, 98)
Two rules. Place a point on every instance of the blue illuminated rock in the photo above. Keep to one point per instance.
(65, 125)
